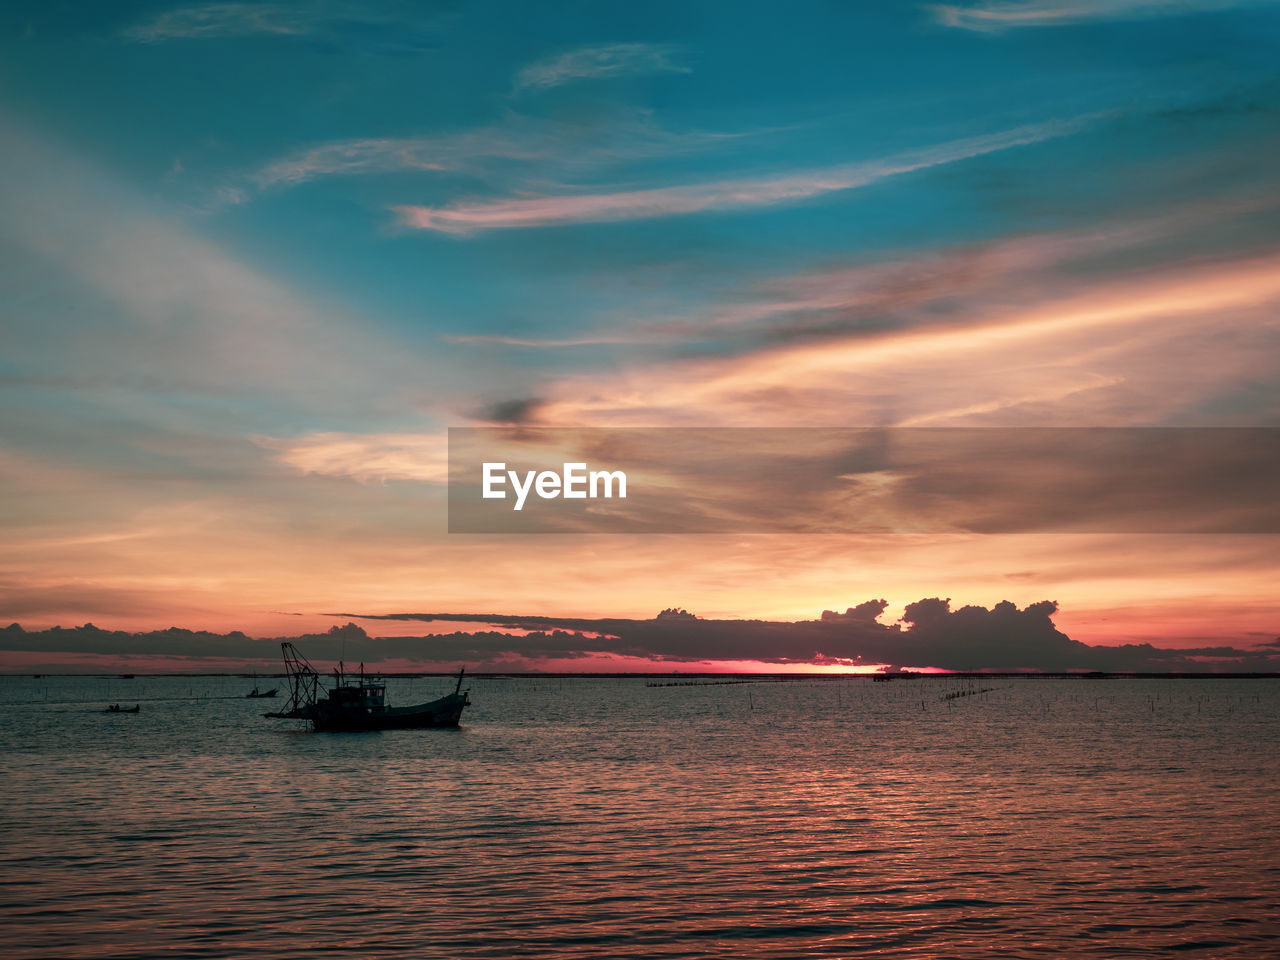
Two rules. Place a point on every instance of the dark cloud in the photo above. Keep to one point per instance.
(91, 639)
(520, 410)
(931, 634)
(866, 612)
(974, 637)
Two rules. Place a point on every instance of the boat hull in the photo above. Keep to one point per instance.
(445, 712)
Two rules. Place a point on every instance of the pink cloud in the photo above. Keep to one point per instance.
(996, 15)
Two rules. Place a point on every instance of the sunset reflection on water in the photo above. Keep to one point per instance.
(600, 818)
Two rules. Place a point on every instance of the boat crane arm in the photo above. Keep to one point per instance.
(304, 682)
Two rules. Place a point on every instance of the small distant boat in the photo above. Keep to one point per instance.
(116, 708)
(359, 703)
(255, 692)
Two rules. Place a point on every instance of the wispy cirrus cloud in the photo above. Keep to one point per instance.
(995, 16)
(920, 290)
(516, 139)
(1101, 356)
(371, 155)
(924, 288)
(591, 340)
(212, 20)
(545, 211)
(392, 27)
(870, 298)
(606, 60)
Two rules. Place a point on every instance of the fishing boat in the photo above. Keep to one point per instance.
(356, 703)
(258, 694)
(116, 708)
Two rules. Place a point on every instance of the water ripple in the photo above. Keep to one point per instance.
(603, 819)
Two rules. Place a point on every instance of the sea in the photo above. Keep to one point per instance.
(938, 817)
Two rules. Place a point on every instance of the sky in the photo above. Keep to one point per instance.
(256, 259)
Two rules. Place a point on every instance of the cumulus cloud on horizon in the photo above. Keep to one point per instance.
(930, 634)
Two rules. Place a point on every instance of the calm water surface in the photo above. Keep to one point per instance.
(600, 818)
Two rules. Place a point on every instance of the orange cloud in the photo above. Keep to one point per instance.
(999, 360)
(365, 456)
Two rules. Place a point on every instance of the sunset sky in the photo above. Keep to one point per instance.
(256, 259)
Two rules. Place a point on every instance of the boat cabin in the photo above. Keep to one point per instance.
(359, 694)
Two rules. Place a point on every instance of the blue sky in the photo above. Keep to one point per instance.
(290, 135)
(258, 256)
